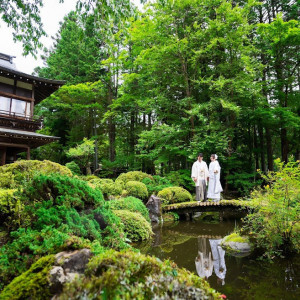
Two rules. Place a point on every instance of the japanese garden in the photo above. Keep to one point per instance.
(154, 153)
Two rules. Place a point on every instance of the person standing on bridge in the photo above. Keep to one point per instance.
(200, 176)
(214, 186)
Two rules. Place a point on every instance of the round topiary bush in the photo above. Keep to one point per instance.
(132, 275)
(174, 194)
(132, 176)
(135, 225)
(132, 204)
(107, 186)
(13, 175)
(136, 189)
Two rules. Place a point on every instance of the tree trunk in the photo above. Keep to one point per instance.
(269, 149)
(262, 148)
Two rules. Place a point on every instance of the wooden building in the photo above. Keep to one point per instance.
(19, 92)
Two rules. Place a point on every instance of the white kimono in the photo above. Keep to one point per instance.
(218, 259)
(214, 185)
(199, 171)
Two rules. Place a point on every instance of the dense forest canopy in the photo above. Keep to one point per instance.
(154, 88)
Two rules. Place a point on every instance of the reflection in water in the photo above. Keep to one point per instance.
(246, 278)
(210, 257)
(204, 262)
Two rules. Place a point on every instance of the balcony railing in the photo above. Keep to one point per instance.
(19, 121)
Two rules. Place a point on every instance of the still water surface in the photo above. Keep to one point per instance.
(194, 246)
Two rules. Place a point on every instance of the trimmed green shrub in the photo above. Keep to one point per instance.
(13, 175)
(174, 194)
(132, 176)
(32, 284)
(135, 225)
(157, 184)
(75, 169)
(136, 189)
(107, 186)
(131, 275)
(132, 204)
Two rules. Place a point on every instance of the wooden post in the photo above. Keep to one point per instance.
(28, 153)
(3, 157)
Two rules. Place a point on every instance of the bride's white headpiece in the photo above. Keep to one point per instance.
(216, 156)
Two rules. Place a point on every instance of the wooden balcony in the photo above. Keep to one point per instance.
(17, 121)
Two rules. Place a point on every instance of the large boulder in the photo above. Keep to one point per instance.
(154, 207)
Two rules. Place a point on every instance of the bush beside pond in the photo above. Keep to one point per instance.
(135, 225)
(130, 203)
(174, 195)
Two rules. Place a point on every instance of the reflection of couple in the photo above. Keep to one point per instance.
(202, 175)
(207, 260)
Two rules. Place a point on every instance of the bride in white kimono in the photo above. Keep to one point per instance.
(214, 185)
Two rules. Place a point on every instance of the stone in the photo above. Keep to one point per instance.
(236, 245)
(57, 279)
(75, 261)
(154, 207)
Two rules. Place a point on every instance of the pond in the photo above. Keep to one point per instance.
(187, 242)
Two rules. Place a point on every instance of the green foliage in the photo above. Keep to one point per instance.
(131, 275)
(157, 184)
(56, 213)
(83, 153)
(12, 175)
(107, 186)
(274, 224)
(244, 183)
(136, 189)
(174, 195)
(182, 178)
(75, 169)
(130, 203)
(32, 284)
(135, 225)
(133, 176)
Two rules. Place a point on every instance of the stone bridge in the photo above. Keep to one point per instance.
(208, 206)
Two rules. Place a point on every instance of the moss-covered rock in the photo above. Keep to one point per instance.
(136, 189)
(12, 175)
(236, 245)
(130, 203)
(174, 194)
(32, 284)
(131, 275)
(107, 186)
(132, 176)
(135, 225)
